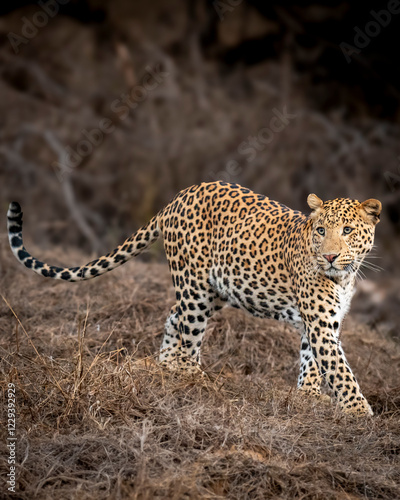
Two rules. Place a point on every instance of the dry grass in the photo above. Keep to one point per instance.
(97, 418)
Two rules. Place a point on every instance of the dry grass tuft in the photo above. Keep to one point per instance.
(97, 418)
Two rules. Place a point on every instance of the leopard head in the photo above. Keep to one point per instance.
(342, 233)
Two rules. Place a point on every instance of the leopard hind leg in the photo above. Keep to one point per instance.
(185, 328)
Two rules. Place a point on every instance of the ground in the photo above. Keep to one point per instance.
(98, 419)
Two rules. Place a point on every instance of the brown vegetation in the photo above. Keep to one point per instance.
(97, 418)
(188, 128)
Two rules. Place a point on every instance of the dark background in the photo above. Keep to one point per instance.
(96, 418)
(227, 66)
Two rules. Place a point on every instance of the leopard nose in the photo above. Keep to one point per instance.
(330, 257)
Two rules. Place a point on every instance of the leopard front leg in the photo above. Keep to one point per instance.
(310, 378)
(333, 366)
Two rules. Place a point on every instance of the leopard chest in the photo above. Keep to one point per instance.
(344, 296)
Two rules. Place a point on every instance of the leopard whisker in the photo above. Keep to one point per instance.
(371, 266)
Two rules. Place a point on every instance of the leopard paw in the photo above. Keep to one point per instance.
(357, 408)
(182, 364)
(316, 395)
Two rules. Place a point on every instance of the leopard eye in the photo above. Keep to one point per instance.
(347, 230)
(321, 231)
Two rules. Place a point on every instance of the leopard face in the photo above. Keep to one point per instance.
(342, 234)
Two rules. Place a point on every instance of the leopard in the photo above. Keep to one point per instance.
(229, 246)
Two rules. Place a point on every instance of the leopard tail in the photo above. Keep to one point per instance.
(131, 247)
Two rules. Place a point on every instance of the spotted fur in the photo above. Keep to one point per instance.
(227, 245)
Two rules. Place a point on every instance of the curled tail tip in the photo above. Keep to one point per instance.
(14, 209)
(14, 216)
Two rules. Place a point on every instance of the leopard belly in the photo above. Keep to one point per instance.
(252, 294)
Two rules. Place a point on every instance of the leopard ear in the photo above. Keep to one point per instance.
(370, 210)
(315, 204)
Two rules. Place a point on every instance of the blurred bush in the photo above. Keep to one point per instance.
(110, 108)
